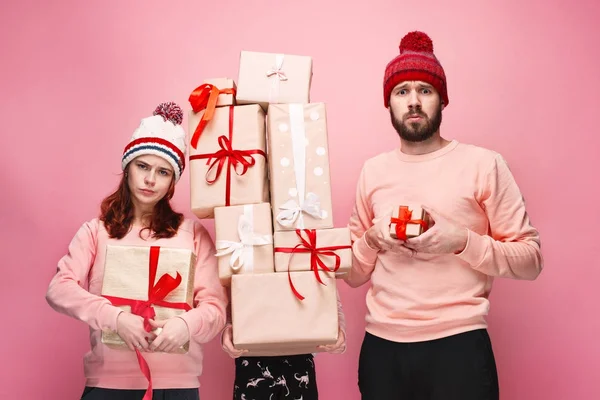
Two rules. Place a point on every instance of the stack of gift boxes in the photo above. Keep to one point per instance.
(259, 166)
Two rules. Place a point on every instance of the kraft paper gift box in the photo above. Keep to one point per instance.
(134, 275)
(213, 93)
(270, 78)
(299, 166)
(225, 87)
(408, 221)
(304, 250)
(244, 240)
(268, 319)
(229, 165)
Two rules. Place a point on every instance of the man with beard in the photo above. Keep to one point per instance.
(426, 333)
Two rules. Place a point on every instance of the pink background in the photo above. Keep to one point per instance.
(523, 80)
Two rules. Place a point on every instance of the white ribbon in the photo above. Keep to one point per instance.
(276, 71)
(292, 211)
(242, 252)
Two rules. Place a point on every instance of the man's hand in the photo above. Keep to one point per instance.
(378, 238)
(444, 237)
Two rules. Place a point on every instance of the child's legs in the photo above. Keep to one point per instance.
(300, 376)
(275, 378)
(254, 378)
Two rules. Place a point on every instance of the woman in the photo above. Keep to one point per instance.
(138, 213)
(278, 377)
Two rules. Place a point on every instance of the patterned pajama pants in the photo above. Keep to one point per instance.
(275, 378)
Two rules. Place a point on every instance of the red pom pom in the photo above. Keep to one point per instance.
(416, 41)
(170, 112)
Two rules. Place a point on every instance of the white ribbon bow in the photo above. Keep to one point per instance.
(242, 252)
(276, 70)
(291, 210)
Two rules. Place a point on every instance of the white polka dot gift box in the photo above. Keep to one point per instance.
(299, 166)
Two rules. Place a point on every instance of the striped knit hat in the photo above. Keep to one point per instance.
(416, 62)
(160, 135)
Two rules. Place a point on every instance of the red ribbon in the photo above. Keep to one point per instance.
(404, 218)
(146, 371)
(144, 308)
(234, 158)
(309, 245)
(205, 97)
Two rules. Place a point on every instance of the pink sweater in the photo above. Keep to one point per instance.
(432, 296)
(75, 291)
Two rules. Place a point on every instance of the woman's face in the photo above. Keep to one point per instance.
(149, 178)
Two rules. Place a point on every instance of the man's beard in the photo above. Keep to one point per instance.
(416, 132)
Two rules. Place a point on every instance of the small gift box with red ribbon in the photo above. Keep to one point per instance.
(328, 250)
(228, 163)
(152, 282)
(213, 93)
(244, 240)
(408, 221)
(268, 320)
(227, 89)
(299, 166)
(268, 78)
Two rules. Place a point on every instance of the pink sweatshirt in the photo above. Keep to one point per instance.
(432, 296)
(75, 291)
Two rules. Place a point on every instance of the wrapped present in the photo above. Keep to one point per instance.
(205, 98)
(408, 221)
(269, 78)
(152, 282)
(312, 250)
(229, 165)
(244, 240)
(299, 166)
(268, 319)
(227, 90)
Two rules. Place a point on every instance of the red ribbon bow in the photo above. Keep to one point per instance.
(234, 158)
(205, 97)
(404, 218)
(309, 245)
(144, 308)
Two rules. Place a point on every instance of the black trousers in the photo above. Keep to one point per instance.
(94, 393)
(458, 367)
(275, 378)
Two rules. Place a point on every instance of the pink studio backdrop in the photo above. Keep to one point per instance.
(523, 80)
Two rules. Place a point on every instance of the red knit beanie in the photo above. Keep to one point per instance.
(416, 62)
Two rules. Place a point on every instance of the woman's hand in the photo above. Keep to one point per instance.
(174, 334)
(130, 328)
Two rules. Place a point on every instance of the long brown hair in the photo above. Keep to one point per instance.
(116, 212)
